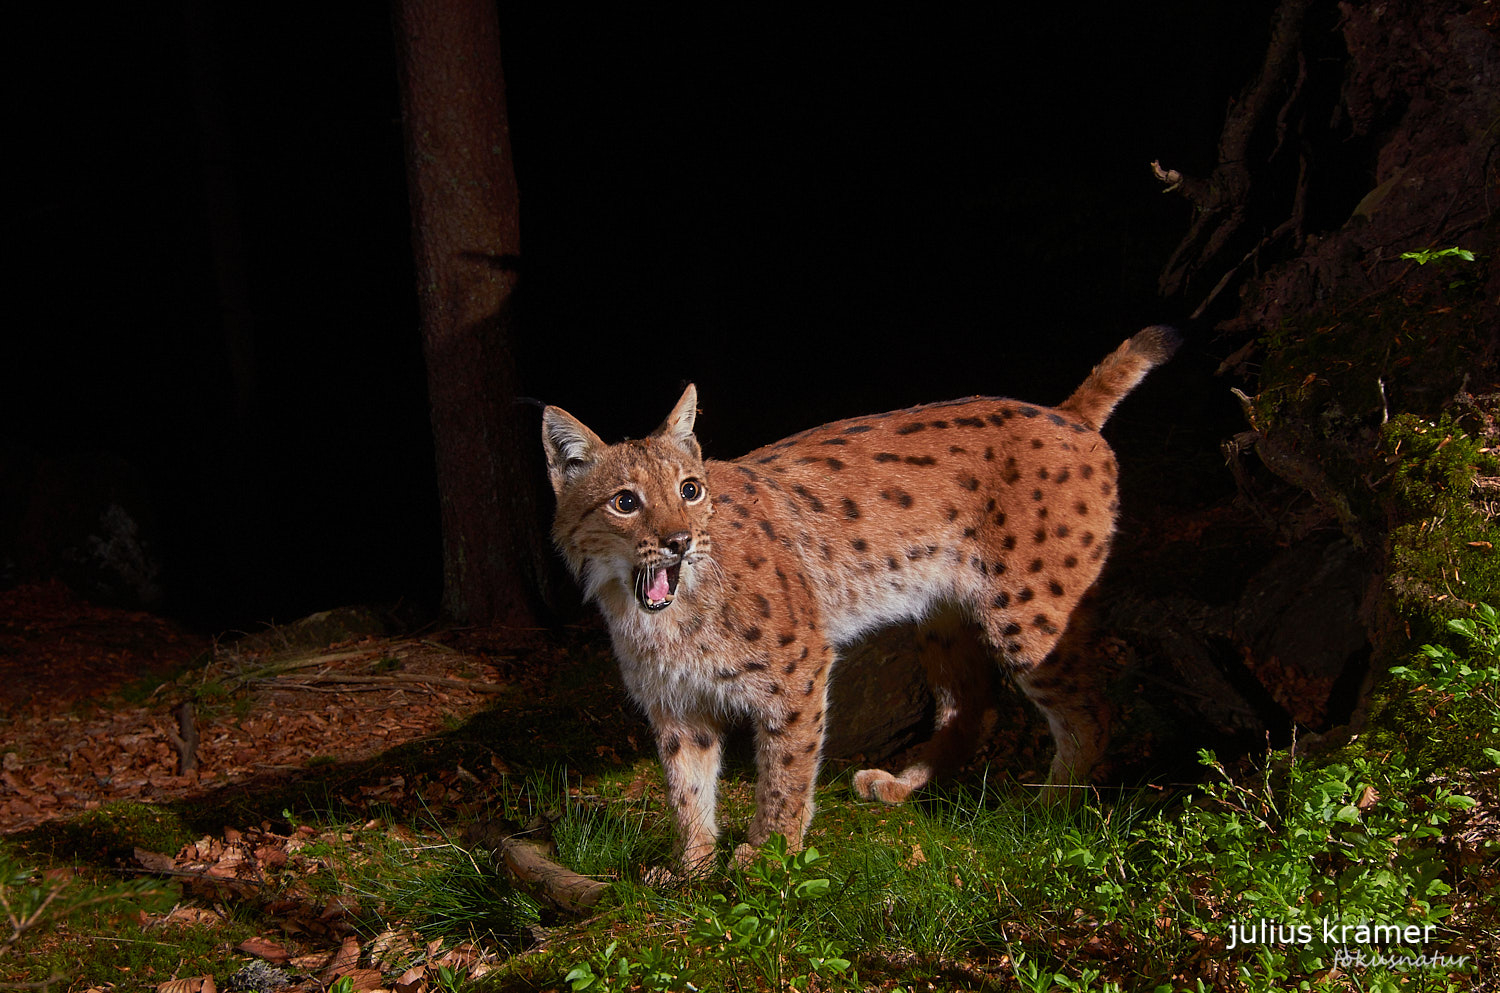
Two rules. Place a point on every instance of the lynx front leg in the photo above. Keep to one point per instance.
(788, 749)
(690, 752)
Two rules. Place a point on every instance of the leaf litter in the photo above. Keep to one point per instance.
(79, 733)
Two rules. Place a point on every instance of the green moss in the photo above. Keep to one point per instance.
(1443, 556)
(1331, 380)
(110, 834)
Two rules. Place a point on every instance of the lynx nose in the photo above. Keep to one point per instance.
(678, 543)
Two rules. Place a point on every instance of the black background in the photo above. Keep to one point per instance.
(811, 216)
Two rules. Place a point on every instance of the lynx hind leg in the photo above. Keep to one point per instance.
(959, 670)
(1064, 686)
(690, 749)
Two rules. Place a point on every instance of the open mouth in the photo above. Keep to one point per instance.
(656, 586)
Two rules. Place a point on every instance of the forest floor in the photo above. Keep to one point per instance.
(89, 693)
(289, 728)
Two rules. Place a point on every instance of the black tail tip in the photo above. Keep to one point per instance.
(1156, 343)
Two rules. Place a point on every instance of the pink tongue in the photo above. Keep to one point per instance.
(658, 589)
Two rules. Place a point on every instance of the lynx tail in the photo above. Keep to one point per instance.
(1119, 373)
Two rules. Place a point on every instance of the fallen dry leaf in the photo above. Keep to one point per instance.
(343, 961)
(265, 948)
(197, 984)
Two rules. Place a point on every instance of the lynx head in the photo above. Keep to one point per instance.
(631, 518)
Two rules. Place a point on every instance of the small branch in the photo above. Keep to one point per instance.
(474, 686)
(559, 886)
(185, 739)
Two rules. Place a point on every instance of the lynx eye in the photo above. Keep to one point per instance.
(692, 490)
(624, 502)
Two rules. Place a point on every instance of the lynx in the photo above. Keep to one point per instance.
(729, 587)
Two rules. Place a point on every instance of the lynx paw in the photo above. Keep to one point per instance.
(877, 784)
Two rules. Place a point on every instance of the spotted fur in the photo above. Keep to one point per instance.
(729, 586)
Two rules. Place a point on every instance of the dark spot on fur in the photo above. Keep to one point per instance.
(1087, 539)
(1027, 411)
(1064, 476)
(969, 483)
(671, 746)
(887, 457)
(911, 428)
(834, 441)
(1087, 472)
(1063, 531)
(859, 544)
(891, 563)
(808, 691)
(1036, 566)
(920, 460)
(1026, 595)
(1008, 542)
(1039, 536)
(1055, 588)
(1056, 420)
(1001, 600)
(952, 513)
(766, 527)
(851, 509)
(1036, 495)
(968, 422)
(1070, 561)
(835, 465)
(1011, 630)
(812, 501)
(752, 634)
(1037, 443)
(857, 429)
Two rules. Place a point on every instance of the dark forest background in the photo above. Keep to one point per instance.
(213, 316)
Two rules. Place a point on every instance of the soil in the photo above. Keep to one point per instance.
(88, 700)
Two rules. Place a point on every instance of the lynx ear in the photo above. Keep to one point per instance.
(679, 423)
(571, 447)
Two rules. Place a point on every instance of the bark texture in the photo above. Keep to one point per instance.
(466, 239)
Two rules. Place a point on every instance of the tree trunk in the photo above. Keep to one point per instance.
(466, 240)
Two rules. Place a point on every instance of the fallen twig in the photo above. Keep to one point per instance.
(472, 685)
(558, 885)
(185, 739)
